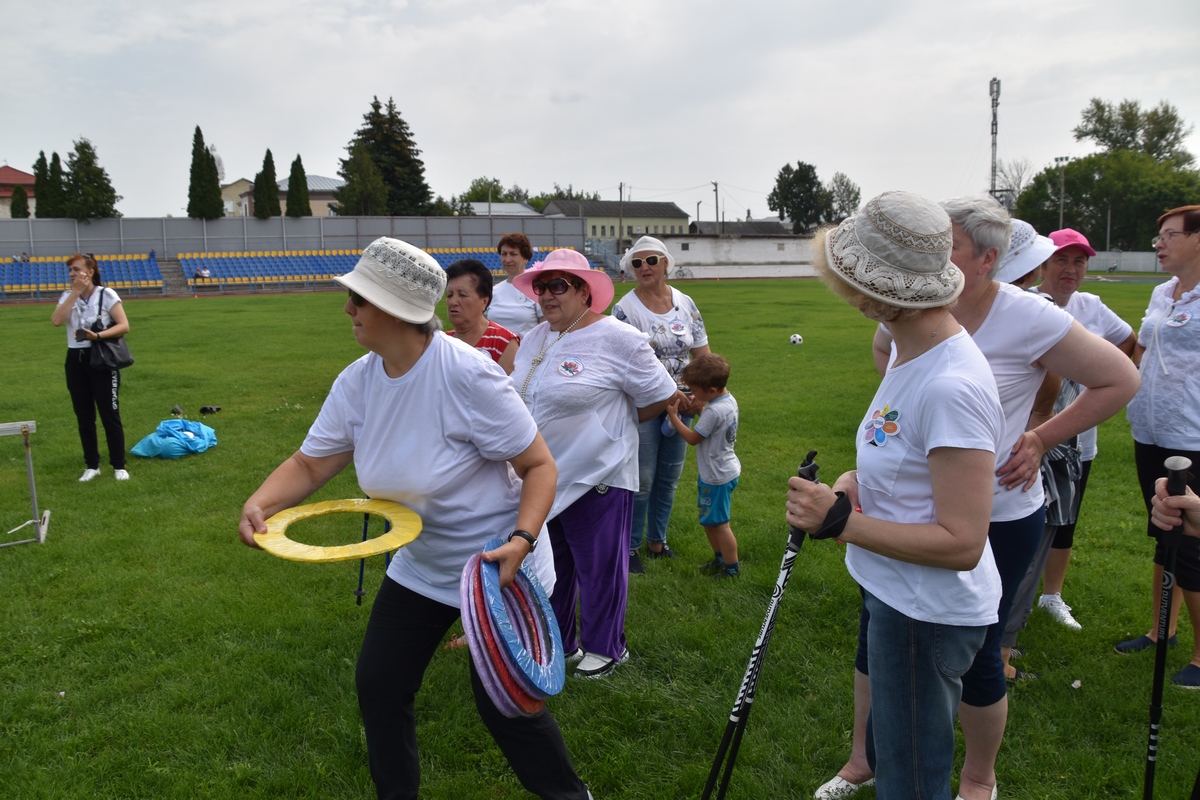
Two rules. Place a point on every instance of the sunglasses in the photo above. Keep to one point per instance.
(651, 261)
(356, 299)
(556, 287)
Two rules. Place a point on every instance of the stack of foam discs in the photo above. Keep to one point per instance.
(512, 635)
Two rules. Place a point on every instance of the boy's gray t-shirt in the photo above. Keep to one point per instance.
(718, 425)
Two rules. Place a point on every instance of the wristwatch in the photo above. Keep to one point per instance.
(527, 536)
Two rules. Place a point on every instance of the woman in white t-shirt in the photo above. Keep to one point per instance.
(1021, 336)
(927, 449)
(88, 301)
(1062, 276)
(677, 334)
(510, 307)
(588, 380)
(434, 424)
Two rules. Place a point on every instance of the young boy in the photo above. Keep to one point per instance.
(713, 438)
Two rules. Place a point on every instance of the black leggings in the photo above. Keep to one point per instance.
(94, 390)
(402, 636)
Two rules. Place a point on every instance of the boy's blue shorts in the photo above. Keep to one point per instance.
(714, 501)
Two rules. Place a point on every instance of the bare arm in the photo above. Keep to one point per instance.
(539, 476)
(962, 498)
(292, 482)
(1110, 380)
(881, 349)
(1043, 402)
(689, 435)
(1138, 351)
(62, 311)
(507, 357)
(652, 411)
(1129, 345)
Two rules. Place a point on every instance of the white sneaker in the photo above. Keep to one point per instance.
(838, 788)
(88, 474)
(121, 475)
(594, 665)
(1059, 610)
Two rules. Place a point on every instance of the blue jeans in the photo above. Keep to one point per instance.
(660, 462)
(916, 671)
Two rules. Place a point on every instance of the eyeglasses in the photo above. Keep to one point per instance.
(1167, 236)
(556, 286)
(651, 261)
(356, 299)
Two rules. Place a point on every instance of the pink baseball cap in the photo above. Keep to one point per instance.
(1069, 237)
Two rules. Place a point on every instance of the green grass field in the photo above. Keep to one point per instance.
(145, 653)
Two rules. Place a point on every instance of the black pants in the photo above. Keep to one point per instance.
(91, 391)
(1149, 458)
(402, 636)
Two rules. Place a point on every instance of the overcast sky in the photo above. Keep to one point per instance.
(662, 96)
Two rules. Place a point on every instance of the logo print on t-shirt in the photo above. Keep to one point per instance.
(570, 367)
(678, 327)
(1179, 320)
(881, 425)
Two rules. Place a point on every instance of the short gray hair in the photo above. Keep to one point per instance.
(985, 221)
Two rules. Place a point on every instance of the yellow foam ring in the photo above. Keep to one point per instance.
(405, 527)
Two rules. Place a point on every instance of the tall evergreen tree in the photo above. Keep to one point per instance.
(52, 195)
(89, 192)
(266, 190)
(204, 188)
(41, 179)
(19, 205)
(390, 143)
(297, 193)
(364, 194)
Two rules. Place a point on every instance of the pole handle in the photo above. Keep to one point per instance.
(807, 470)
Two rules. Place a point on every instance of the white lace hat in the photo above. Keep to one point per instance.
(397, 278)
(897, 250)
(1026, 250)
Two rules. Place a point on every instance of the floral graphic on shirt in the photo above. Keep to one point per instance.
(881, 425)
(570, 367)
(1179, 320)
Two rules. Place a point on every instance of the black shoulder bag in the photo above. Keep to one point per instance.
(108, 354)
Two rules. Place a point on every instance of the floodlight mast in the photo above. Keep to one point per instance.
(994, 91)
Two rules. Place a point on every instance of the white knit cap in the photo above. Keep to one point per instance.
(1026, 250)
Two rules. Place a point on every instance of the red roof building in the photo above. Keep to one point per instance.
(10, 177)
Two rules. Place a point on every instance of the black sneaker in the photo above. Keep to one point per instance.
(1143, 642)
(712, 567)
(666, 552)
(635, 564)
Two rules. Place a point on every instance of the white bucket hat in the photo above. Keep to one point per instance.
(647, 244)
(398, 279)
(897, 250)
(1026, 250)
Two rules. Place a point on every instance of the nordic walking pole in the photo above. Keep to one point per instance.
(736, 726)
(1177, 467)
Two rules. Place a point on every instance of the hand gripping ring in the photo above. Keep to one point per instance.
(405, 527)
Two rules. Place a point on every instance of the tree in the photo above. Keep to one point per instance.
(390, 144)
(1159, 132)
(1113, 198)
(799, 195)
(204, 188)
(89, 192)
(19, 205)
(540, 201)
(1014, 175)
(297, 193)
(364, 194)
(484, 189)
(266, 190)
(844, 197)
(49, 187)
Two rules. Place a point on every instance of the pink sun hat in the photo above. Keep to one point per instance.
(573, 263)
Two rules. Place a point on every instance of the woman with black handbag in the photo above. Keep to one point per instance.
(93, 313)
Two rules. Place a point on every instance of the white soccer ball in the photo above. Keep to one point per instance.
(796, 339)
